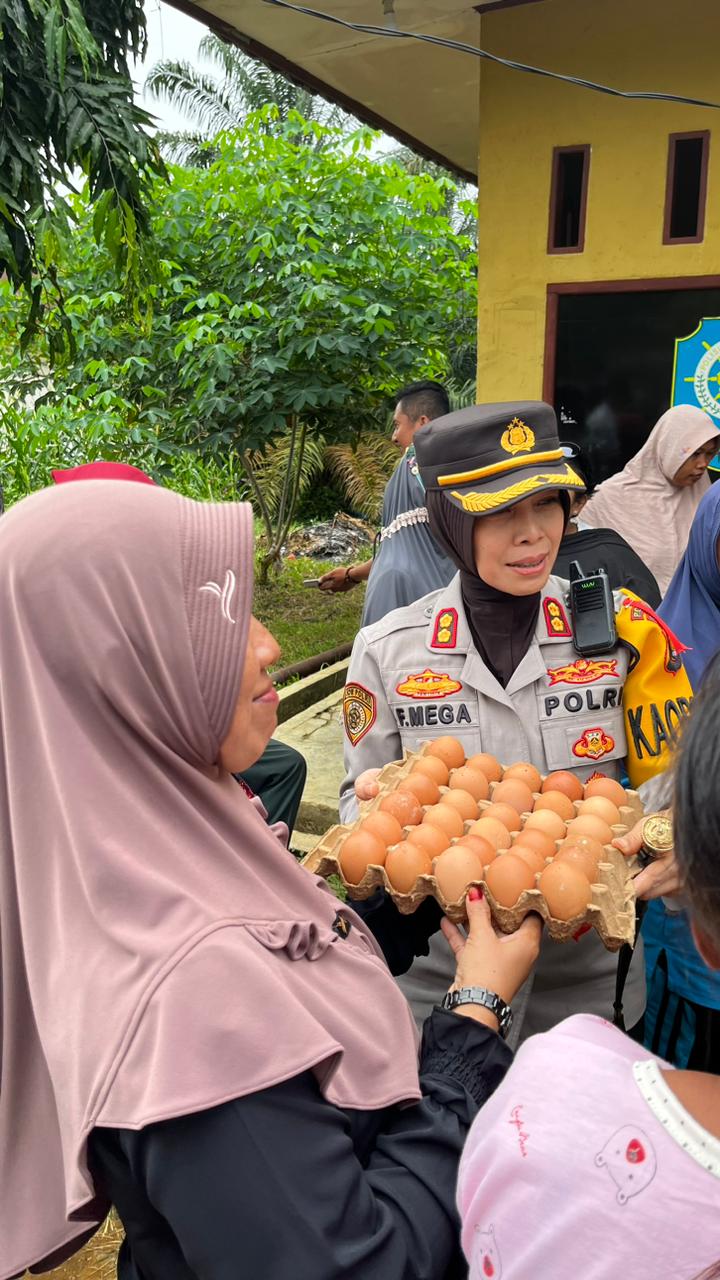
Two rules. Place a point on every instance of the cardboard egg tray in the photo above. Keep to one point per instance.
(611, 912)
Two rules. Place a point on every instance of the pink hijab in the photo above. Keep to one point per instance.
(643, 505)
(160, 951)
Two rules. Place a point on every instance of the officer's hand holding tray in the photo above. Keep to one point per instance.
(500, 662)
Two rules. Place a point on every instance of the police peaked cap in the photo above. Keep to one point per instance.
(491, 456)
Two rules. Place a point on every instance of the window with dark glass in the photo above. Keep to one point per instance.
(686, 187)
(568, 199)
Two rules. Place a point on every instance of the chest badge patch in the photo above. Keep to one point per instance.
(445, 629)
(593, 745)
(584, 671)
(359, 711)
(428, 684)
(555, 618)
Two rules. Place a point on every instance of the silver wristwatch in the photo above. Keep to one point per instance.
(488, 999)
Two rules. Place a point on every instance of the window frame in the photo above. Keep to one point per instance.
(673, 139)
(585, 149)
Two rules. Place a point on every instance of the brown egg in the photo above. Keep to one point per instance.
(560, 804)
(358, 851)
(565, 889)
(608, 788)
(429, 838)
(514, 792)
(604, 809)
(491, 830)
(568, 783)
(449, 750)
(466, 805)
(584, 858)
(454, 870)
(588, 824)
(534, 860)
(507, 877)
(425, 788)
(382, 825)
(485, 851)
(487, 765)
(472, 780)
(589, 843)
(532, 838)
(547, 821)
(527, 773)
(404, 806)
(446, 818)
(504, 813)
(405, 863)
(434, 767)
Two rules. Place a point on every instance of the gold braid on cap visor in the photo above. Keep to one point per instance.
(478, 503)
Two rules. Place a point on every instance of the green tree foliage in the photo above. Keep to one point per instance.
(66, 108)
(220, 101)
(295, 290)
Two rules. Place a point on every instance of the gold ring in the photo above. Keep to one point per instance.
(657, 835)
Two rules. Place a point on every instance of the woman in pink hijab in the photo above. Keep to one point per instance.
(191, 1025)
(652, 502)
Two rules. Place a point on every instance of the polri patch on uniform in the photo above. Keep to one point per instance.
(428, 684)
(555, 618)
(593, 745)
(445, 629)
(584, 671)
(359, 711)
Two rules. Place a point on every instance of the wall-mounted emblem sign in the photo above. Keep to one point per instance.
(696, 371)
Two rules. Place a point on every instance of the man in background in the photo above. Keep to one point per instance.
(408, 562)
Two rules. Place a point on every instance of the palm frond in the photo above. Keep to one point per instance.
(270, 467)
(198, 96)
(189, 149)
(362, 470)
(462, 394)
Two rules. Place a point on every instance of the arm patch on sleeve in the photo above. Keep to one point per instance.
(359, 711)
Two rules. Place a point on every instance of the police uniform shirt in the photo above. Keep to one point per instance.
(416, 676)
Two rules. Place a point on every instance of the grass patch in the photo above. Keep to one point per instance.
(304, 620)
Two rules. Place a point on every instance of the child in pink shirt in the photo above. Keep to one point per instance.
(584, 1164)
(595, 1160)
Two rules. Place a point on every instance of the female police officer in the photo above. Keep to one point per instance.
(492, 660)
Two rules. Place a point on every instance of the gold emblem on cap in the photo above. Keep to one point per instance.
(517, 437)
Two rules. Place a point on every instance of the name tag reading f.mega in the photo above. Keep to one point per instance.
(431, 714)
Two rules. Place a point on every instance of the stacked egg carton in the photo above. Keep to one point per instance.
(611, 910)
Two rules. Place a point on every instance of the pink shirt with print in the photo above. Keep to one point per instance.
(584, 1166)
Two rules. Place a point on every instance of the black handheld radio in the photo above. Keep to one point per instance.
(593, 611)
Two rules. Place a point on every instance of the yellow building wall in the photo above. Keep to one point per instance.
(660, 45)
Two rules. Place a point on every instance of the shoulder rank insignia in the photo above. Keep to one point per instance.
(556, 618)
(359, 711)
(428, 684)
(445, 629)
(517, 438)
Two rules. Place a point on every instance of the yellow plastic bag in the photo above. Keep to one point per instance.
(657, 691)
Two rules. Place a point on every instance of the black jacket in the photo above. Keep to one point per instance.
(282, 1185)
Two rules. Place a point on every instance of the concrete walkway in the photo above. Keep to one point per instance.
(317, 733)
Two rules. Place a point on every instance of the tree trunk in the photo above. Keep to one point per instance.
(277, 526)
